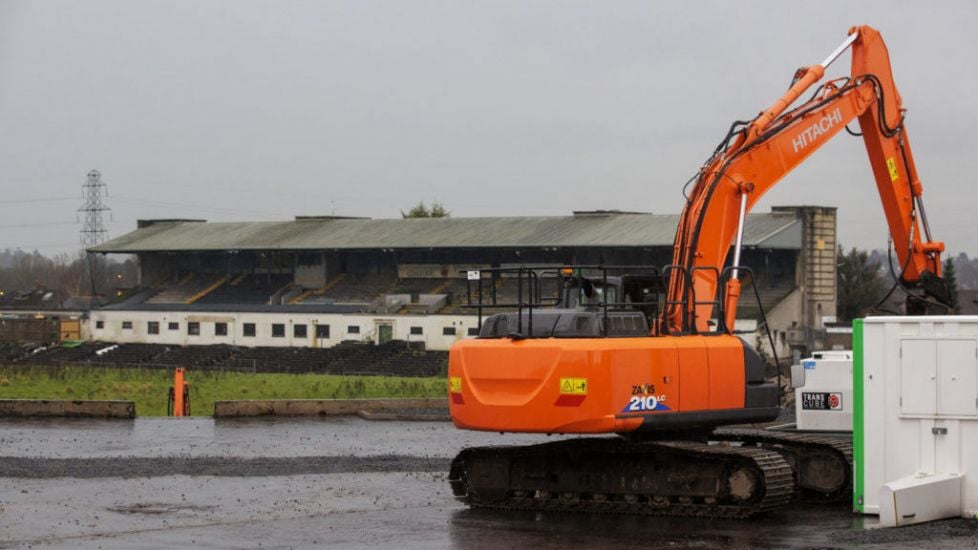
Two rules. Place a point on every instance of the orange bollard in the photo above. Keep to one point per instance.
(179, 395)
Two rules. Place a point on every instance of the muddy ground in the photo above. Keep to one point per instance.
(338, 482)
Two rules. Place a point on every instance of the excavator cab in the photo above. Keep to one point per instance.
(628, 292)
(586, 294)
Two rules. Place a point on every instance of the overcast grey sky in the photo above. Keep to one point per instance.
(248, 110)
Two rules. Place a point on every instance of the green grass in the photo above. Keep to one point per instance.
(149, 388)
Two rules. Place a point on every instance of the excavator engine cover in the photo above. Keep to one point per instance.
(608, 385)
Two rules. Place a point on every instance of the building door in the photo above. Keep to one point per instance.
(385, 333)
(322, 335)
(70, 329)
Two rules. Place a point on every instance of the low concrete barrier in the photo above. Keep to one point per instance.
(78, 409)
(407, 416)
(322, 407)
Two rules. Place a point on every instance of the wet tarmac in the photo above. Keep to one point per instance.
(337, 482)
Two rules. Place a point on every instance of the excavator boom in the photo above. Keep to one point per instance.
(758, 155)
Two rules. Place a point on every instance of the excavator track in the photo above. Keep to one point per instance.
(616, 476)
(822, 464)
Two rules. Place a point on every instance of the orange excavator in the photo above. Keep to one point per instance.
(669, 381)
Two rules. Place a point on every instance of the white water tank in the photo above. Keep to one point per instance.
(823, 391)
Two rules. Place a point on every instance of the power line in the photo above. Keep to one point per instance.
(53, 224)
(150, 202)
(45, 199)
(36, 246)
(35, 224)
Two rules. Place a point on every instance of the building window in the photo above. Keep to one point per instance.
(322, 331)
(448, 331)
(220, 329)
(153, 327)
(193, 328)
(99, 324)
(278, 330)
(353, 329)
(417, 330)
(127, 325)
(249, 329)
(173, 326)
(473, 331)
(299, 331)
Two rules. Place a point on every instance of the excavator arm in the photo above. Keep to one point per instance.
(757, 154)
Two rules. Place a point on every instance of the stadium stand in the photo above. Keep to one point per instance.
(396, 278)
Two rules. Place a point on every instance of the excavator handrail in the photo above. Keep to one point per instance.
(535, 273)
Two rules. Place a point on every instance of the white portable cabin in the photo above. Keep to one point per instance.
(915, 427)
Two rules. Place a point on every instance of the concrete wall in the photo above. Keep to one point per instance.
(61, 408)
(367, 328)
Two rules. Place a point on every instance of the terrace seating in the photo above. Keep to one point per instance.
(180, 292)
(417, 286)
(507, 291)
(214, 285)
(315, 295)
(251, 289)
(363, 288)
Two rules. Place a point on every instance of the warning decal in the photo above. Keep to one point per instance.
(891, 166)
(573, 386)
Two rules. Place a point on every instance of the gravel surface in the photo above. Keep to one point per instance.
(241, 438)
(337, 482)
(951, 533)
(89, 468)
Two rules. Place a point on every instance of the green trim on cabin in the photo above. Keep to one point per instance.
(858, 439)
